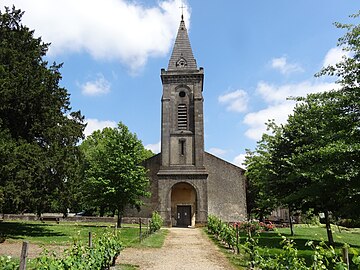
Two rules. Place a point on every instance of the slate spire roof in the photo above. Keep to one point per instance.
(182, 57)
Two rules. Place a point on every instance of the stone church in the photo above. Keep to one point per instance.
(187, 183)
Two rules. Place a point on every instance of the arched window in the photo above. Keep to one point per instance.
(182, 117)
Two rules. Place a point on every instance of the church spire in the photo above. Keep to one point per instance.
(182, 57)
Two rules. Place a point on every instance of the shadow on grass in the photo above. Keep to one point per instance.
(20, 230)
(272, 239)
(271, 243)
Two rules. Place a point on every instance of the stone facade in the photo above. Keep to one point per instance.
(188, 184)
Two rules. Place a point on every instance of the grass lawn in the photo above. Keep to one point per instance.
(303, 233)
(63, 234)
(50, 233)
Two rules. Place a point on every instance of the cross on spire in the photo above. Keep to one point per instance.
(182, 11)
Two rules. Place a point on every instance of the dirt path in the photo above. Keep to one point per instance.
(183, 249)
(13, 249)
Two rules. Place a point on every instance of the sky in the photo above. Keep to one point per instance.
(255, 55)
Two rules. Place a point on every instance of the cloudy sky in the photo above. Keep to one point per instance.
(255, 54)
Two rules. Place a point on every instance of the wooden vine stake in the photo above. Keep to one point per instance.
(90, 240)
(345, 255)
(140, 233)
(24, 254)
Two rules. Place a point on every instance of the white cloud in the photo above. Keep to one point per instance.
(239, 160)
(278, 107)
(256, 120)
(95, 124)
(334, 55)
(156, 148)
(112, 30)
(275, 94)
(235, 101)
(284, 67)
(99, 86)
(217, 151)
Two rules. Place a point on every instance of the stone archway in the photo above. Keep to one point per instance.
(183, 205)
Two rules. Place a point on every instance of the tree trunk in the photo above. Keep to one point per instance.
(102, 211)
(291, 223)
(119, 217)
(261, 216)
(328, 228)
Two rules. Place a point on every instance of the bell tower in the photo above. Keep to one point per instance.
(182, 122)
(187, 183)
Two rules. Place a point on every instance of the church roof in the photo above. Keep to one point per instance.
(182, 57)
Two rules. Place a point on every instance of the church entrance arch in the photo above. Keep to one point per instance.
(183, 204)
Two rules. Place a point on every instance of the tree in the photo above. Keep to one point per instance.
(325, 154)
(114, 175)
(267, 170)
(314, 158)
(260, 199)
(38, 130)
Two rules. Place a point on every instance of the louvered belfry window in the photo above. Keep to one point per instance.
(182, 117)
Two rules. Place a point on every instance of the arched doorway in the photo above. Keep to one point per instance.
(183, 205)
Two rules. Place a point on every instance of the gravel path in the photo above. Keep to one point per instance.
(183, 249)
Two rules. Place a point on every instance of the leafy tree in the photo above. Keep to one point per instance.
(114, 175)
(325, 131)
(260, 199)
(325, 150)
(312, 161)
(267, 170)
(38, 131)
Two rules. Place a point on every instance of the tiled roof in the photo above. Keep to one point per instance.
(182, 57)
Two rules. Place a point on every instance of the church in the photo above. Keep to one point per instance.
(188, 184)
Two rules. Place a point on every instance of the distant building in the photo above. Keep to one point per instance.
(279, 215)
(187, 183)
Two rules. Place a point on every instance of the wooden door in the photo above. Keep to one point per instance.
(183, 215)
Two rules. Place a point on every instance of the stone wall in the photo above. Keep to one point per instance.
(226, 189)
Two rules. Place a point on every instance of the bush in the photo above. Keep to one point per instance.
(156, 222)
(6, 263)
(324, 257)
(99, 257)
(349, 223)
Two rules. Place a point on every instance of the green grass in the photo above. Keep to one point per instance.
(318, 233)
(304, 233)
(50, 233)
(64, 234)
(126, 267)
(270, 241)
(155, 240)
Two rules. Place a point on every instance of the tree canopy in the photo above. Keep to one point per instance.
(39, 132)
(312, 161)
(114, 175)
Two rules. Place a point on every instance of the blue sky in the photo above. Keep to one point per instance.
(255, 54)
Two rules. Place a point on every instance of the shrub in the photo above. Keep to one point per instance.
(349, 223)
(99, 257)
(324, 257)
(6, 263)
(156, 222)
